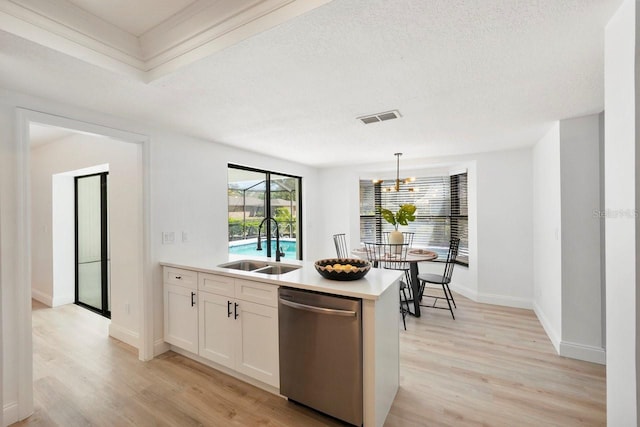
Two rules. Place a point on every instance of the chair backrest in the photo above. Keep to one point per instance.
(387, 255)
(451, 259)
(340, 240)
(408, 237)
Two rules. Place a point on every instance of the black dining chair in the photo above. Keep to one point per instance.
(442, 280)
(342, 250)
(392, 257)
(407, 240)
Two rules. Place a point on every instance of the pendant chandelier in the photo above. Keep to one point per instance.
(398, 182)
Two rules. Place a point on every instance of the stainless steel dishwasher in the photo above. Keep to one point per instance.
(321, 352)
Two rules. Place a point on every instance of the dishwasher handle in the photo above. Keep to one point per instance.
(320, 310)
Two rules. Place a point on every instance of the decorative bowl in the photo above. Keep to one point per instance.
(359, 268)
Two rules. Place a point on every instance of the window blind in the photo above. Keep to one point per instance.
(441, 212)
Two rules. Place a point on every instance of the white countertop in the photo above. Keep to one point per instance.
(371, 286)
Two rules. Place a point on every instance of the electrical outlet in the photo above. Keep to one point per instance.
(185, 237)
(168, 237)
(127, 308)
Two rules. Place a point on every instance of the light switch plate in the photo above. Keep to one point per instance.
(168, 237)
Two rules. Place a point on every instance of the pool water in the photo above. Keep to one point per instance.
(288, 246)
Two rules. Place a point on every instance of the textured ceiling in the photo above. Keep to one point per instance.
(467, 76)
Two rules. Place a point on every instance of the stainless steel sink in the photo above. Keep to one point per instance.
(276, 269)
(260, 267)
(245, 265)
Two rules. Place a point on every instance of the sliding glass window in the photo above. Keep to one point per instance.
(255, 194)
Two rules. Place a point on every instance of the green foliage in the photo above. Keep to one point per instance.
(405, 214)
(283, 215)
(287, 222)
(238, 228)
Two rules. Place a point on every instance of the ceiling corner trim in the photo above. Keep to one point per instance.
(66, 19)
(196, 32)
(72, 48)
(216, 38)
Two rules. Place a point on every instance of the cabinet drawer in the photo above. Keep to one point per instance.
(260, 293)
(221, 285)
(180, 277)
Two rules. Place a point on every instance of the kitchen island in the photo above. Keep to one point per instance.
(193, 290)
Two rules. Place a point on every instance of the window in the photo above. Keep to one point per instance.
(442, 212)
(254, 193)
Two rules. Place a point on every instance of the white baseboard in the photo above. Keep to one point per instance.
(551, 333)
(159, 347)
(10, 413)
(583, 352)
(563, 348)
(464, 291)
(42, 297)
(504, 300)
(494, 299)
(52, 301)
(63, 300)
(125, 335)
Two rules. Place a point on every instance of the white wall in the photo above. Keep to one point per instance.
(63, 246)
(505, 239)
(340, 189)
(547, 247)
(125, 221)
(189, 193)
(567, 248)
(582, 317)
(499, 217)
(621, 205)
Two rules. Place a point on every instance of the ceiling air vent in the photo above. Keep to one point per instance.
(379, 117)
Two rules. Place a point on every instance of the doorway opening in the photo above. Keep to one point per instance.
(130, 181)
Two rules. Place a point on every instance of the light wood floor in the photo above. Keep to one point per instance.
(492, 366)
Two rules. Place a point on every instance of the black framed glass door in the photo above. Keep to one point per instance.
(92, 244)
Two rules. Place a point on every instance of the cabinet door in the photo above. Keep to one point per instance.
(181, 317)
(257, 343)
(217, 328)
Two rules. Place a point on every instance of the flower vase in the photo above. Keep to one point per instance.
(396, 238)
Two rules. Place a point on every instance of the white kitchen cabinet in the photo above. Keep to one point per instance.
(380, 346)
(217, 334)
(235, 330)
(257, 351)
(180, 308)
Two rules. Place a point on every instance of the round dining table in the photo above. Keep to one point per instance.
(414, 256)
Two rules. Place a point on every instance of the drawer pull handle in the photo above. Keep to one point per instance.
(193, 302)
(228, 308)
(235, 310)
(178, 277)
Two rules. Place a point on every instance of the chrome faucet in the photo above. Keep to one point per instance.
(279, 252)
